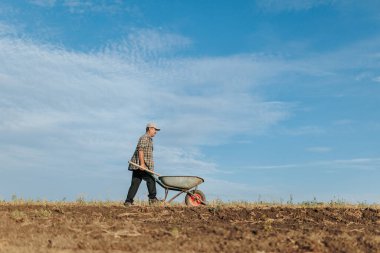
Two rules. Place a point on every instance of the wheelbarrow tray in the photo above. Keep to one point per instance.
(181, 182)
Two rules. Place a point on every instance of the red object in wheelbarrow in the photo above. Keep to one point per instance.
(183, 184)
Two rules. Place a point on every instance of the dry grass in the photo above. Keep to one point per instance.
(214, 204)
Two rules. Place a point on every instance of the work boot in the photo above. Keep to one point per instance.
(154, 201)
(128, 203)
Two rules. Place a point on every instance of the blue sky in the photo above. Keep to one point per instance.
(264, 99)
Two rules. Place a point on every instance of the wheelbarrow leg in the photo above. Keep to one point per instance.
(175, 196)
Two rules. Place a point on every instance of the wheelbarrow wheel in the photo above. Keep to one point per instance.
(196, 199)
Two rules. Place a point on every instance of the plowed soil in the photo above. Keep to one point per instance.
(115, 228)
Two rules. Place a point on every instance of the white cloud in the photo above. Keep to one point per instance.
(305, 5)
(114, 6)
(233, 191)
(303, 130)
(377, 79)
(147, 44)
(83, 113)
(292, 5)
(319, 149)
(83, 6)
(343, 122)
(6, 30)
(363, 76)
(43, 3)
(78, 4)
(326, 165)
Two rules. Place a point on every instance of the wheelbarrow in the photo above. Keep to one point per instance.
(182, 184)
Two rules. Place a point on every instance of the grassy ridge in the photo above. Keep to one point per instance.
(213, 203)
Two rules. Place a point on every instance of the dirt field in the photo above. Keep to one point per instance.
(221, 228)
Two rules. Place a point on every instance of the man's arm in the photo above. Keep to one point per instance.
(141, 158)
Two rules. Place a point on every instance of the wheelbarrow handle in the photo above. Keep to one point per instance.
(142, 168)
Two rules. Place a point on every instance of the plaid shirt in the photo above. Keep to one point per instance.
(145, 144)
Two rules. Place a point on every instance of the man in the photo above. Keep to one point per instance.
(143, 156)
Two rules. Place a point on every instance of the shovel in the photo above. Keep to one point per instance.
(145, 169)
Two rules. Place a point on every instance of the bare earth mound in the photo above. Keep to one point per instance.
(114, 228)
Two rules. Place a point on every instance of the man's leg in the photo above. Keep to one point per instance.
(135, 183)
(151, 184)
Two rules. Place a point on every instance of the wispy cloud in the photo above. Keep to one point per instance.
(179, 161)
(302, 130)
(43, 3)
(343, 122)
(84, 112)
(327, 165)
(83, 6)
(319, 149)
(144, 44)
(291, 5)
(305, 5)
(377, 79)
(6, 30)
(227, 190)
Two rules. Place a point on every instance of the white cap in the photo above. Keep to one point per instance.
(153, 125)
